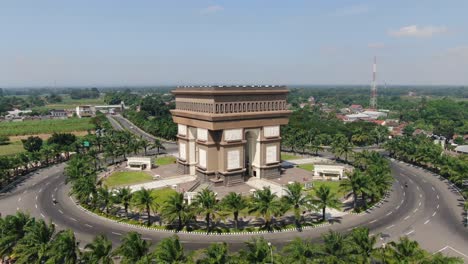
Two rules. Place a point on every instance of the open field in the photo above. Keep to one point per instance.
(307, 167)
(14, 147)
(334, 185)
(165, 160)
(287, 156)
(123, 178)
(162, 194)
(68, 103)
(33, 127)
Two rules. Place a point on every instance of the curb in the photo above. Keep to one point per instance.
(199, 232)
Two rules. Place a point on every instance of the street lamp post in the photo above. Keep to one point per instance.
(271, 252)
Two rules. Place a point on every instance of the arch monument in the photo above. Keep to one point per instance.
(227, 134)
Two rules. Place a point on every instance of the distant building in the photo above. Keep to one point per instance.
(374, 114)
(84, 111)
(356, 117)
(61, 114)
(118, 108)
(311, 101)
(462, 149)
(16, 114)
(356, 108)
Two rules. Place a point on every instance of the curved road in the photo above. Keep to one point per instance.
(428, 210)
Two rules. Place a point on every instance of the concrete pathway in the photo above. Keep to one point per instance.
(163, 183)
(313, 160)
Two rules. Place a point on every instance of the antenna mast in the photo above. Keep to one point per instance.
(373, 97)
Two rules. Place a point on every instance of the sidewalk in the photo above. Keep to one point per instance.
(158, 184)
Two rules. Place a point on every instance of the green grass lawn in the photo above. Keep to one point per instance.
(162, 194)
(165, 160)
(14, 147)
(32, 127)
(307, 167)
(287, 156)
(122, 178)
(334, 185)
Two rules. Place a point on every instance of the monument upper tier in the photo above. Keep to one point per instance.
(216, 107)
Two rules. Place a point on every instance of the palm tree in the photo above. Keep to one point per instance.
(235, 203)
(406, 251)
(175, 207)
(363, 244)
(170, 250)
(99, 251)
(335, 249)
(258, 251)
(296, 198)
(12, 230)
(206, 203)
(84, 187)
(145, 200)
(144, 144)
(132, 248)
(124, 197)
(300, 251)
(324, 198)
(32, 248)
(105, 197)
(315, 145)
(267, 204)
(216, 253)
(357, 183)
(439, 258)
(64, 248)
(157, 144)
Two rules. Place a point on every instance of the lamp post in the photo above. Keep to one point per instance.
(271, 252)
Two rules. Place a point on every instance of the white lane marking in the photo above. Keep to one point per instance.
(404, 193)
(88, 225)
(433, 188)
(417, 187)
(55, 189)
(402, 187)
(424, 181)
(19, 199)
(36, 206)
(438, 206)
(47, 184)
(36, 197)
(427, 221)
(25, 191)
(40, 190)
(420, 195)
(437, 197)
(434, 213)
(410, 232)
(398, 207)
(415, 210)
(419, 204)
(373, 221)
(115, 233)
(388, 227)
(73, 219)
(402, 202)
(389, 213)
(451, 249)
(406, 217)
(42, 215)
(147, 238)
(17, 208)
(60, 211)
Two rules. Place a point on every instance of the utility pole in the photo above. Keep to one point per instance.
(373, 97)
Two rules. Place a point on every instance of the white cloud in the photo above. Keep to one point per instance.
(417, 31)
(352, 10)
(376, 45)
(211, 9)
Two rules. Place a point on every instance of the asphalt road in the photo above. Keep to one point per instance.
(428, 210)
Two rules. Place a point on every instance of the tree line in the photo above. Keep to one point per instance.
(25, 239)
(421, 150)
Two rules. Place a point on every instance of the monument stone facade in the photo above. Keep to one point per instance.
(229, 133)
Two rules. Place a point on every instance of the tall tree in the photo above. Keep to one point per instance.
(206, 203)
(266, 204)
(64, 248)
(170, 250)
(32, 144)
(132, 249)
(99, 251)
(216, 253)
(234, 202)
(324, 197)
(296, 198)
(144, 199)
(33, 247)
(124, 197)
(176, 208)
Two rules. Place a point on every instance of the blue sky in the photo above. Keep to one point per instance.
(113, 42)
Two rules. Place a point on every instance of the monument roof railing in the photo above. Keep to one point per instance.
(231, 87)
